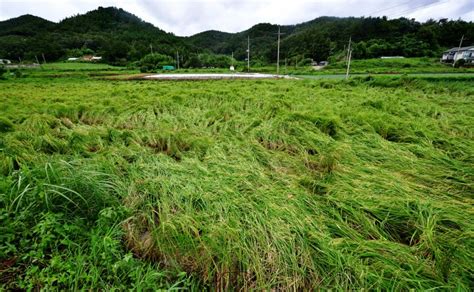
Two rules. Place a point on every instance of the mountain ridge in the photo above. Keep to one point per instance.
(121, 37)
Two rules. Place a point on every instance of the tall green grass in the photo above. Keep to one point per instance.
(282, 184)
(393, 66)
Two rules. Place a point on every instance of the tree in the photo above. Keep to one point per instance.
(154, 61)
(193, 62)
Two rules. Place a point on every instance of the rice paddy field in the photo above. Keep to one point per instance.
(236, 184)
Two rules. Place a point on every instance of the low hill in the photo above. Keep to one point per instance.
(121, 37)
(25, 25)
(111, 32)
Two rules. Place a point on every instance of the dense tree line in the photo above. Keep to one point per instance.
(122, 38)
(371, 37)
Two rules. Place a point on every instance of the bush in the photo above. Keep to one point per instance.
(208, 60)
(305, 62)
(154, 61)
(145, 69)
(17, 73)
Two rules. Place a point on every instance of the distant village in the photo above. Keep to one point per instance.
(465, 55)
(86, 58)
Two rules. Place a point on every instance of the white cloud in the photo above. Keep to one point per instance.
(192, 16)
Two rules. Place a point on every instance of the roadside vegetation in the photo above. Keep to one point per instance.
(269, 184)
(394, 66)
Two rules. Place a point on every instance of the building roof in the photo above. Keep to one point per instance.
(459, 49)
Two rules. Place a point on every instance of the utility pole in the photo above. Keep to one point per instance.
(44, 59)
(151, 48)
(38, 62)
(349, 55)
(349, 47)
(460, 45)
(177, 59)
(278, 51)
(285, 65)
(248, 53)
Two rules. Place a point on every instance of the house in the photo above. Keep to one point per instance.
(467, 55)
(455, 54)
(5, 61)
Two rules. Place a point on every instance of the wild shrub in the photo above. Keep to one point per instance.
(63, 187)
(155, 61)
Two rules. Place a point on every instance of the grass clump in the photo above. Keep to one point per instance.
(281, 184)
(5, 125)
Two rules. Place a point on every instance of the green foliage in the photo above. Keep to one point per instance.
(113, 33)
(5, 125)
(79, 52)
(17, 73)
(326, 36)
(193, 62)
(390, 66)
(153, 62)
(218, 61)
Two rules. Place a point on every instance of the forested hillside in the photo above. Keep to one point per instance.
(113, 33)
(121, 37)
(325, 36)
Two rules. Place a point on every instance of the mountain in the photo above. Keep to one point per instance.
(25, 25)
(322, 37)
(121, 37)
(111, 32)
(212, 39)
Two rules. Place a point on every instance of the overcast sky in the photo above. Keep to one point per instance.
(187, 17)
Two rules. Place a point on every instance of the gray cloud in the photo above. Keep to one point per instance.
(187, 17)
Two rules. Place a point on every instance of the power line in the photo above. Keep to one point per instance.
(389, 8)
(417, 8)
